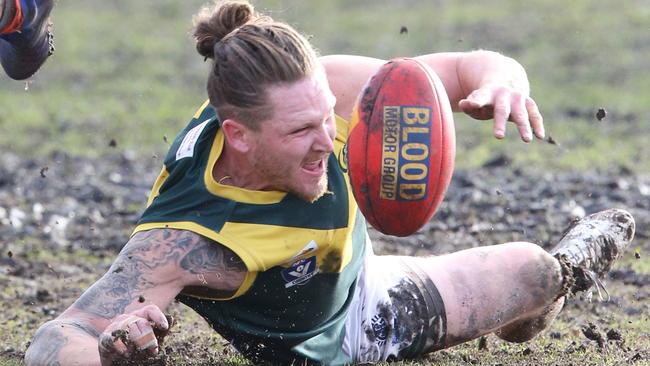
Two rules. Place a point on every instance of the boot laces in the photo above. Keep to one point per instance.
(598, 285)
(590, 260)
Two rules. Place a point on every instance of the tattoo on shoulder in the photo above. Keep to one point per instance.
(137, 266)
(208, 257)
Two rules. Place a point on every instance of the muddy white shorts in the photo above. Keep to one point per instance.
(396, 313)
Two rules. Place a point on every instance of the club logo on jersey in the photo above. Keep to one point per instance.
(300, 272)
(380, 329)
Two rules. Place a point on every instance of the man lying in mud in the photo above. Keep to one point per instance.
(252, 224)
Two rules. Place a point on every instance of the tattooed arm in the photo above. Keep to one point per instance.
(148, 273)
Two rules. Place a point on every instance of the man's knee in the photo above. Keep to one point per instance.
(536, 269)
(528, 252)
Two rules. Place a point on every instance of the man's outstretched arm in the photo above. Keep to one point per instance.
(148, 273)
(482, 84)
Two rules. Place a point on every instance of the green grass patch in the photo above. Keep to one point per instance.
(129, 73)
(9, 362)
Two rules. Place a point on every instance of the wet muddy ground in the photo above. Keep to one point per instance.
(62, 219)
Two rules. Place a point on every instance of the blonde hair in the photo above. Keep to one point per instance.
(249, 52)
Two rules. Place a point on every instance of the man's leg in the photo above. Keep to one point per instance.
(25, 38)
(517, 289)
(484, 289)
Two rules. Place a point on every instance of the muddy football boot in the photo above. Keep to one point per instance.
(590, 246)
(26, 41)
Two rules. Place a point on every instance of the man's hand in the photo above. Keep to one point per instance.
(133, 335)
(505, 104)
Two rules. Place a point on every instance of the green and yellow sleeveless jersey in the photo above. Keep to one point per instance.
(302, 258)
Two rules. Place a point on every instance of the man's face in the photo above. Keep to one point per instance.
(291, 149)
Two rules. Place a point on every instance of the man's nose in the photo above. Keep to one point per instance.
(325, 139)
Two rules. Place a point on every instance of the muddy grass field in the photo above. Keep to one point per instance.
(63, 219)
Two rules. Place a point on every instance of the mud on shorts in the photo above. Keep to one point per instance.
(396, 313)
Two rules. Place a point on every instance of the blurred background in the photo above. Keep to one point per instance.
(125, 76)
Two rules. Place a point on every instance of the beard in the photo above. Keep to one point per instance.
(283, 177)
(319, 190)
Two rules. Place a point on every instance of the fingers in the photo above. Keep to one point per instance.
(504, 104)
(527, 117)
(535, 117)
(502, 110)
(519, 115)
(130, 337)
(153, 313)
(131, 334)
(111, 345)
(141, 335)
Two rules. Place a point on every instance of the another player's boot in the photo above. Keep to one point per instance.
(590, 246)
(25, 37)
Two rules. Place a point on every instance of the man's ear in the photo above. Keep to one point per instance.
(238, 136)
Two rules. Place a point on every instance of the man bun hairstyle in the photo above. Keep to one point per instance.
(249, 53)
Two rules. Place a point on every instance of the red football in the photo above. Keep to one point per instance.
(401, 147)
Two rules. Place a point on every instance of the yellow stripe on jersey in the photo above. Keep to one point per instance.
(203, 106)
(272, 245)
(342, 127)
(231, 192)
(155, 190)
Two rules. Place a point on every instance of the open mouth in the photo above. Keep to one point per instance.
(315, 168)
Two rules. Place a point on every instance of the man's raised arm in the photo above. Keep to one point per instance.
(149, 272)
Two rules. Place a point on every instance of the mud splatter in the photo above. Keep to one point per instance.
(551, 140)
(331, 262)
(592, 332)
(121, 334)
(482, 344)
(614, 335)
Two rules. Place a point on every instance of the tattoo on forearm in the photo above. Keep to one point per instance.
(134, 270)
(126, 278)
(47, 344)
